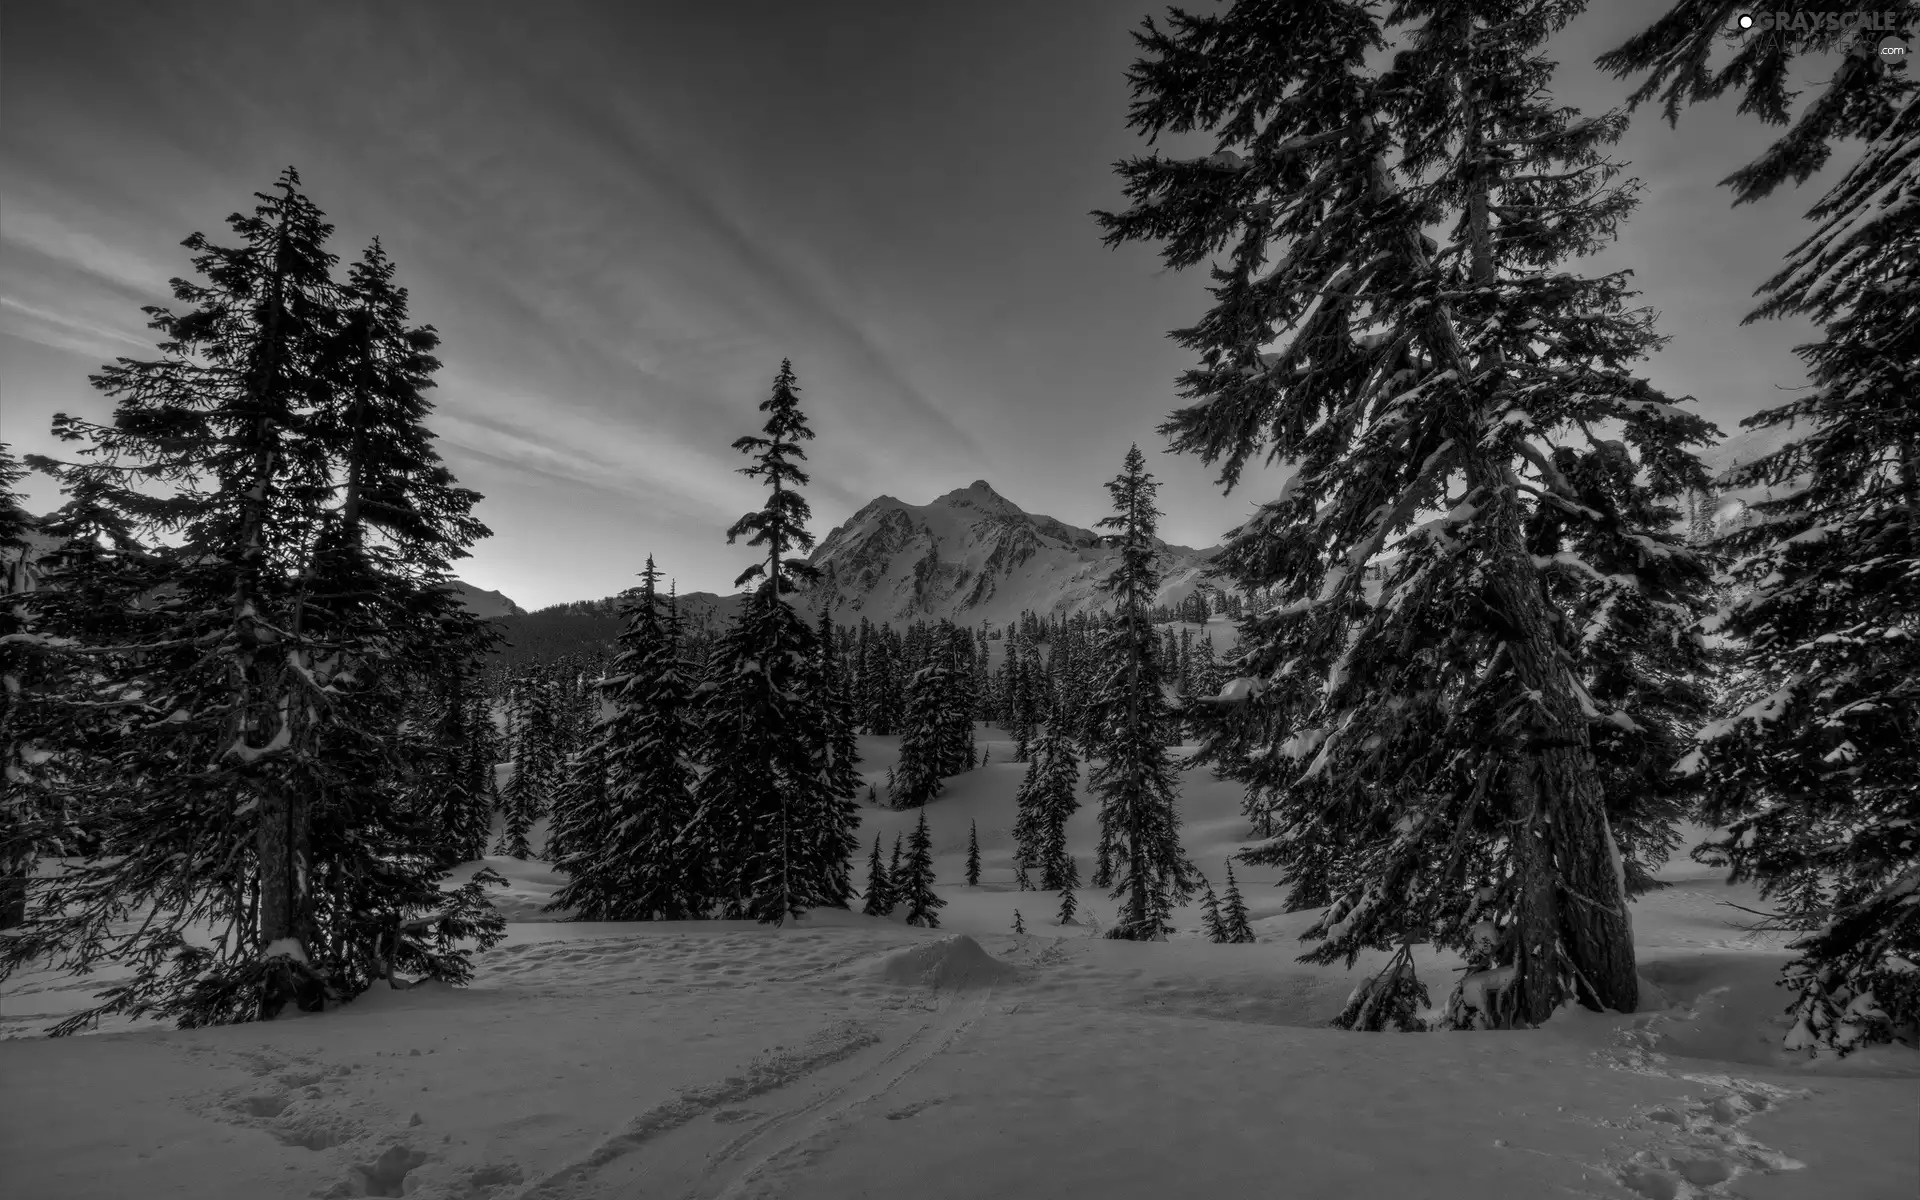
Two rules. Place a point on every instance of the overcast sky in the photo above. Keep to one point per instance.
(621, 217)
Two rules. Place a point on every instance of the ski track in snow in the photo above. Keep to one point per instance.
(701, 1162)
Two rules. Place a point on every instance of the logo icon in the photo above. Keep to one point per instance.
(1893, 50)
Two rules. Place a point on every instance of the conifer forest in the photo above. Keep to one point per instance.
(1529, 704)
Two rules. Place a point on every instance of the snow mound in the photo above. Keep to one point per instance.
(954, 963)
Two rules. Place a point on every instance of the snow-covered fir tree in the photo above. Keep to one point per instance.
(913, 885)
(881, 699)
(1211, 923)
(537, 766)
(958, 752)
(262, 779)
(1019, 926)
(1233, 913)
(31, 677)
(842, 736)
(927, 742)
(1137, 780)
(1022, 699)
(1069, 906)
(1055, 798)
(626, 858)
(973, 854)
(1427, 399)
(1814, 769)
(580, 795)
(880, 897)
(458, 800)
(769, 804)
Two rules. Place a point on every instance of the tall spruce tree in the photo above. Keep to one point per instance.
(958, 752)
(1211, 923)
(1424, 398)
(537, 766)
(262, 780)
(973, 854)
(927, 735)
(1056, 797)
(1814, 767)
(1233, 914)
(775, 815)
(626, 858)
(1137, 780)
(880, 897)
(457, 799)
(914, 884)
(842, 739)
(31, 677)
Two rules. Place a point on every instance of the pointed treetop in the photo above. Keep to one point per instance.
(780, 524)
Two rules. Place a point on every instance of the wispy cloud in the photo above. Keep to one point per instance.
(64, 331)
(79, 250)
(546, 437)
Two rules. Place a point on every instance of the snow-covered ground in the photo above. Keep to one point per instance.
(845, 1056)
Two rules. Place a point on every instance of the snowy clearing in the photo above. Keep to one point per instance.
(849, 1056)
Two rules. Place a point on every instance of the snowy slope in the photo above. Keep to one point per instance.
(1738, 450)
(848, 1056)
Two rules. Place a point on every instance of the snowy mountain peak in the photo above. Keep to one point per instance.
(971, 555)
(979, 495)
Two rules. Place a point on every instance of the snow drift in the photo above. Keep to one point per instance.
(952, 964)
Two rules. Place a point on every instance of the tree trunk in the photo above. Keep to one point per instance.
(1571, 894)
(1571, 899)
(279, 835)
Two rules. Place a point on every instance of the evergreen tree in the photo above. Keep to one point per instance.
(31, 676)
(1022, 680)
(458, 798)
(1018, 925)
(1137, 780)
(973, 853)
(773, 810)
(1056, 798)
(536, 768)
(915, 886)
(842, 744)
(880, 897)
(957, 751)
(926, 739)
(1814, 768)
(578, 801)
(1234, 917)
(1205, 673)
(893, 864)
(1069, 906)
(627, 858)
(1421, 410)
(1210, 921)
(263, 779)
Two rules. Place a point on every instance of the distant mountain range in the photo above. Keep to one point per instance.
(969, 556)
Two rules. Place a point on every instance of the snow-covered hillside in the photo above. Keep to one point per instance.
(1738, 450)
